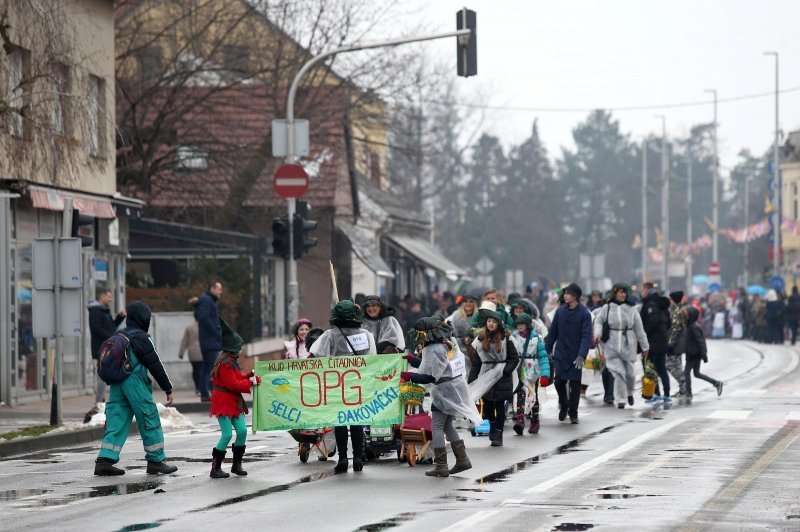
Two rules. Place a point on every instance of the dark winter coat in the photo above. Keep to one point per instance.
(774, 312)
(208, 326)
(695, 340)
(101, 326)
(571, 334)
(137, 325)
(503, 390)
(792, 313)
(656, 322)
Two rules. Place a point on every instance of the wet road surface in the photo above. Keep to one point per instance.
(729, 462)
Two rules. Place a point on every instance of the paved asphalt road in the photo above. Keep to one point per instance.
(730, 462)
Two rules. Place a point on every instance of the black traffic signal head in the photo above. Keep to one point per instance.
(83, 228)
(467, 45)
(303, 242)
(280, 237)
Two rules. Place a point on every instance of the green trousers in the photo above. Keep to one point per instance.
(133, 397)
(226, 425)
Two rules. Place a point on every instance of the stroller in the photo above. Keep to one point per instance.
(311, 439)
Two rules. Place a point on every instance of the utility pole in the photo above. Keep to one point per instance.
(777, 182)
(689, 258)
(715, 184)
(664, 206)
(746, 224)
(644, 211)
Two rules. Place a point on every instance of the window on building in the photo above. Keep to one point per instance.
(59, 86)
(96, 113)
(795, 201)
(151, 62)
(192, 158)
(18, 90)
(237, 58)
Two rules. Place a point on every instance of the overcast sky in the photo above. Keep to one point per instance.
(592, 54)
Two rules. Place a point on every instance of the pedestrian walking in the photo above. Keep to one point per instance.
(494, 371)
(526, 306)
(190, 345)
(657, 322)
(443, 367)
(534, 371)
(101, 327)
(380, 321)
(618, 327)
(346, 337)
(793, 313)
(296, 347)
(696, 354)
(227, 403)
(676, 341)
(134, 397)
(569, 340)
(209, 334)
(774, 316)
(493, 297)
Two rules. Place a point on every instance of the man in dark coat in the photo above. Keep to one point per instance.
(657, 321)
(571, 334)
(209, 333)
(101, 327)
(793, 313)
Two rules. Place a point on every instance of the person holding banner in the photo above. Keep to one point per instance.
(346, 337)
(227, 403)
(380, 321)
(443, 365)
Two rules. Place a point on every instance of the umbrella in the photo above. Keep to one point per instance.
(700, 279)
(756, 290)
(714, 288)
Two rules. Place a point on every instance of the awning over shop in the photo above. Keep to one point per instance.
(429, 254)
(364, 249)
(53, 199)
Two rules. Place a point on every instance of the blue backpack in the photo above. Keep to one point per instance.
(114, 363)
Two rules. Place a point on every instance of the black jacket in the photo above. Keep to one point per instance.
(101, 326)
(656, 322)
(695, 340)
(792, 312)
(209, 329)
(503, 390)
(137, 324)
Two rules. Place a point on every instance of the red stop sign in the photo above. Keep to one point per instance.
(290, 181)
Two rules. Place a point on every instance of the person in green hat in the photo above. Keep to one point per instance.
(534, 371)
(227, 403)
(345, 338)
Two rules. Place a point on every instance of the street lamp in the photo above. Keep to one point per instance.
(715, 184)
(777, 182)
(664, 205)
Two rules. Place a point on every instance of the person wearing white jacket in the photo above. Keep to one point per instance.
(624, 330)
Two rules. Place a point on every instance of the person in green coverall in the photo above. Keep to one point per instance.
(134, 397)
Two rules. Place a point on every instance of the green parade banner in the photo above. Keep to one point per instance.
(322, 392)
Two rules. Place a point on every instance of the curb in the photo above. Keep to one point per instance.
(50, 441)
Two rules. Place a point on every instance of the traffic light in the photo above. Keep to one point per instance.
(83, 228)
(280, 236)
(302, 227)
(467, 45)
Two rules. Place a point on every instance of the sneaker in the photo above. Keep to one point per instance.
(718, 386)
(574, 420)
(630, 400)
(653, 400)
(667, 403)
(562, 414)
(621, 406)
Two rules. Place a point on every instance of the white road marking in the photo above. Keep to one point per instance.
(512, 502)
(591, 464)
(730, 414)
(750, 392)
(470, 521)
(793, 416)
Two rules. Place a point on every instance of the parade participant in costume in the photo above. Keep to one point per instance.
(624, 329)
(296, 347)
(442, 365)
(461, 319)
(491, 298)
(346, 338)
(380, 321)
(569, 340)
(534, 370)
(494, 372)
(134, 397)
(526, 306)
(227, 403)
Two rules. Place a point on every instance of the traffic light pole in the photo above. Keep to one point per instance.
(56, 410)
(293, 289)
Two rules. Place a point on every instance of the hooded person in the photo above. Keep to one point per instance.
(296, 347)
(227, 403)
(657, 323)
(134, 397)
(696, 354)
(493, 378)
(569, 340)
(346, 338)
(534, 371)
(526, 306)
(380, 321)
(442, 366)
(623, 327)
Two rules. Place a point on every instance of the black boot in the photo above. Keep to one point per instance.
(357, 437)
(154, 468)
(217, 457)
(238, 453)
(498, 438)
(341, 447)
(104, 467)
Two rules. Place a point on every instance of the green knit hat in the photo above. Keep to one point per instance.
(231, 341)
(346, 314)
(524, 318)
(432, 329)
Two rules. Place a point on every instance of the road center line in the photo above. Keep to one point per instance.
(591, 464)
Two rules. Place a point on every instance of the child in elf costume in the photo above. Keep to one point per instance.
(227, 403)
